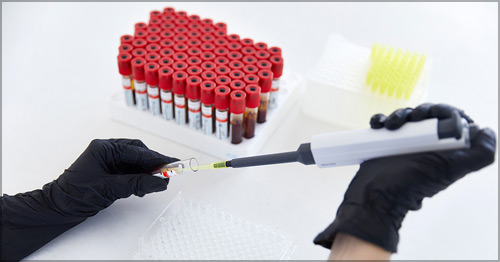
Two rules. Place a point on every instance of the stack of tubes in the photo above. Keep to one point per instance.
(188, 70)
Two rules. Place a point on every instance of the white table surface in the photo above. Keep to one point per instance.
(59, 67)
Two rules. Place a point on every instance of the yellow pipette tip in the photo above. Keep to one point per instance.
(215, 165)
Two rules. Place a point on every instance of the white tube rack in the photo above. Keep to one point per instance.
(291, 85)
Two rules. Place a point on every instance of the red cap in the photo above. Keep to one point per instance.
(165, 77)
(207, 29)
(207, 92)
(251, 79)
(253, 95)
(221, 60)
(207, 38)
(125, 48)
(139, 52)
(207, 56)
(193, 87)
(207, 65)
(126, 39)
(236, 74)
(250, 69)
(151, 73)
(140, 34)
(246, 42)
(169, 10)
(194, 70)
(166, 52)
(274, 50)
(221, 26)
(140, 26)
(155, 14)
(124, 66)
(221, 99)
(166, 61)
(233, 37)
(219, 33)
(265, 80)
(237, 85)
(167, 43)
(180, 38)
(247, 50)
(222, 70)
(139, 43)
(207, 21)
(249, 59)
(264, 64)
(193, 61)
(194, 26)
(236, 65)
(221, 51)
(180, 56)
(179, 82)
(193, 34)
(152, 57)
(181, 22)
(153, 48)
(138, 68)
(170, 17)
(193, 42)
(207, 46)
(168, 30)
(179, 66)
(262, 54)
(260, 46)
(208, 75)
(180, 47)
(277, 67)
(222, 80)
(181, 14)
(237, 102)
(194, 18)
(155, 21)
(234, 46)
(153, 29)
(221, 41)
(234, 55)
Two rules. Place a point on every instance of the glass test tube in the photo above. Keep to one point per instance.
(177, 168)
(179, 89)
(237, 108)
(252, 105)
(207, 106)
(194, 103)
(125, 70)
(151, 71)
(221, 99)
(165, 84)
(265, 83)
(277, 69)
(139, 83)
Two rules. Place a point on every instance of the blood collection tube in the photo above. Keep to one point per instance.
(207, 38)
(236, 75)
(208, 76)
(165, 84)
(169, 10)
(277, 69)
(251, 79)
(221, 27)
(194, 103)
(264, 64)
(221, 60)
(139, 43)
(126, 39)
(194, 51)
(207, 22)
(151, 74)
(235, 55)
(274, 50)
(250, 69)
(181, 14)
(222, 70)
(249, 59)
(237, 109)
(141, 95)
(208, 66)
(153, 29)
(222, 80)
(194, 70)
(194, 26)
(237, 85)
(194, 42)
(221, 101)
(207, 106)
(221, 51)
(207, 29)
(180, 47)
(155, 22)
(152, 57)
(207, 56)
(234, 46)
(233, 37)
(166, 52)
(167, 43)
(179, 89)
(153, 39)
(265, 83)
(180, 56)
(155, 14)
(235, 65)
(262, 54)
(252, 105)
(180, 38)
(194, 18)
(140, 26)
(207, 47)
(260, 46)
(153, 48)
(194, 61)
(221, 42)
(125, 70)
(247, 50)
(179, 66)
(125, 48)
(219, 33)
(166, 61)
(246, 42)
(167, 32)
(139, 52)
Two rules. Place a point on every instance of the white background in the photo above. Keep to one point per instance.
(59, 67)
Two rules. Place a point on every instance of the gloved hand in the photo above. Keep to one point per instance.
(385, 189)
(106, 171)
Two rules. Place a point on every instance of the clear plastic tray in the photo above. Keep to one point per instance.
(191, 229)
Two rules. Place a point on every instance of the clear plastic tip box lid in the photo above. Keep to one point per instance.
(190, 229)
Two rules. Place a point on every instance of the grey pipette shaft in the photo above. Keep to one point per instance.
(302, 155)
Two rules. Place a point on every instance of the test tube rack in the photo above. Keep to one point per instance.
(290, 90)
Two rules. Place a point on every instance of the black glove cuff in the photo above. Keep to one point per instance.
(364, 223)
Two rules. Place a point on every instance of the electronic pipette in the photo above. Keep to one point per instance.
(356, 146)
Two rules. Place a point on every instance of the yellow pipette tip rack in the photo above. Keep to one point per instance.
(394, 72)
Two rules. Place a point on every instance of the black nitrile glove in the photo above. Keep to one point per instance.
(106, 171)
(385, 189)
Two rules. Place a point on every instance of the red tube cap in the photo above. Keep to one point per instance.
(193, 87)
(207, 46)
(250, 69)
(207, 56)
(151, 73)
(168, 31)
(194, 18)
(233, 37)
(181, 38)
(179, 82)
(139, 52)
(237, 85)
(153, 29)
(193, 61)
(207, 38)
(247, 50)
(264, 64)
(125, 48)
(221, 51)
(124, 66)
(236, 65)
(221, 60)
(140, 26)
(153, 48)
(234, 46)
(237, 102)
(262, 54)
(251, 79)
(193, 34)
(207, 65)
(138, 68)
(155, 22)
(221, 26)
(181, 14)
(169, 10)
(274, 50)
(260, 46)
(180, 56)
(152, 57)
(139, 43)
(155, 14)
(165, 77)
(246, 42)
(166, 61)
(179, 66)
(219, 33)
(222, 80)
(222, 70)
(265, 80)
(153, 39)
(167, 43)
(193, 42)
(207, 29)
(194, 70)
(207, 92)
(277, 68)
(208, 75)
(253, 95)
(126, 39)
(236, 74)
(180, 47)
(166, 52)
(234, 55)
(181, 22)
(221, 99)
(221, 41)
(249, 60)
(194, 26)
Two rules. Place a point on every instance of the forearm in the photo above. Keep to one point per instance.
(348, 247)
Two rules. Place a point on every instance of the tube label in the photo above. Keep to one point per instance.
(141, 96)
(180, 110)
(273, 102)
(154, 100)
(194, 114)
(221, 131)
(129, 93)
(167, 107)
(206, 120)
